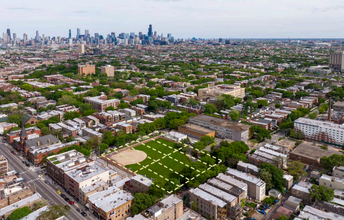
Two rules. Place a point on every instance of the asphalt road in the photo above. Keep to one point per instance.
(45, 190)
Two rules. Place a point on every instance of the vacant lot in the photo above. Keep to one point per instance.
(163, 160)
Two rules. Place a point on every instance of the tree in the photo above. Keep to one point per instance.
(19, 213)
(103, 147)
(122, 105)
(156, 191)
(108, 138)
(71, 115)
(66, 99)
(250, 106)
(175, 123)
(27, 87)
(171, 185)
(288, 94)
(262, 103)
(206, 140)
(110, 108)
(323, 107)
(276, 173)
(278, 105)
(234, 114)
(283, 217)
(296, 169)
(332, 161)
(199, 145)
(267, 178)
(209, 108)
(141, 202)
(194, 205)
(193, 102)
(261, 132)
(321, 193)
(15, 118)
(87, 109)
(313, 115)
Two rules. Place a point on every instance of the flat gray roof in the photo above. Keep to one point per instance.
(217, 192)
(221, 122)
(208, 197)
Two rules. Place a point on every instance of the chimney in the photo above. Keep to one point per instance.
(329, 109)
(38, 143)
(49, 141)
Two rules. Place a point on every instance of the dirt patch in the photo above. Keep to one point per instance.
(129, 156)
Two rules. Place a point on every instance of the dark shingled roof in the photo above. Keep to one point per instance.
(44, 140)
(23, 132)
(25, 118)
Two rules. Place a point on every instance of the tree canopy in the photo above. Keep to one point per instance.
(321, 193)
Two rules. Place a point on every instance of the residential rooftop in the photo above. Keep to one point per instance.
(245, 176)
(20, 203)
(218, 193)
(86, 172)
(142, 179)
(208, 197)
(113, 201)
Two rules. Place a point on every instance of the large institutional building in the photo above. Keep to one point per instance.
(323, 131)
(100, 103)
(223, 128)
(218, 90)
(336, 61)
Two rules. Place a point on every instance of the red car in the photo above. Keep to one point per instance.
(71, 202)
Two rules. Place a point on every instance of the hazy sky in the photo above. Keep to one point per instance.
(182, 18)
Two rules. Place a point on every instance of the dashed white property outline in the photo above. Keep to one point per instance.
(146, 138)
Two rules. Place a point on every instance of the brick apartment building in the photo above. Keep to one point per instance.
(15, 135)
(86, 69)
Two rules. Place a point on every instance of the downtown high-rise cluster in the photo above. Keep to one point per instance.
(86, 38)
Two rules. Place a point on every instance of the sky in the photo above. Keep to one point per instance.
(181, 18)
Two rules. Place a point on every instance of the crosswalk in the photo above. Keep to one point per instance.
(30, 181)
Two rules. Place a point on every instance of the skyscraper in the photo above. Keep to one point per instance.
(25, 37)
(9, 33)
(70, 34)
(37, 36)
(87, 33)
(77, 33)
(150, 31)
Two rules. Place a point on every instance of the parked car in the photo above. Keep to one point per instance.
(63, 195)
(66, 199)
(262, 211)
(78, 210)
(71, 202)
(59, 192)
(83, 214)
(47, 181)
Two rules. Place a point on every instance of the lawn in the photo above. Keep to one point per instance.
(160, 169)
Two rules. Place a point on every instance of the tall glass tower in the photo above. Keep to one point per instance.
(150, 31)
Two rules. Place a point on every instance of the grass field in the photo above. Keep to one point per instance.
(167, 160)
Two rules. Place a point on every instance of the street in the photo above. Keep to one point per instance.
(45, 190)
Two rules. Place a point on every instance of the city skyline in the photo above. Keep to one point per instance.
(183, 18)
